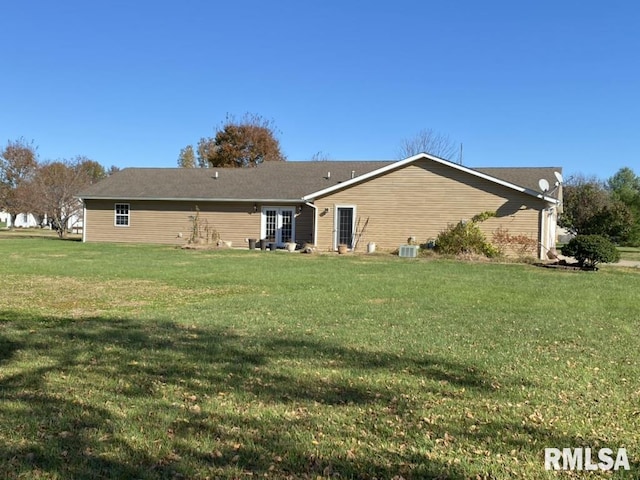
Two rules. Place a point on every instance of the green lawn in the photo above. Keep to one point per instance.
(153, 362)
(630, 253)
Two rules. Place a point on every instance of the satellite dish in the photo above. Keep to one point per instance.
(558, 176)
(543, 184)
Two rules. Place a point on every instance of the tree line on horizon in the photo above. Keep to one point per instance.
(48, 188)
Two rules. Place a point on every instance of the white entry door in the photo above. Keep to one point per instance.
(278, 225)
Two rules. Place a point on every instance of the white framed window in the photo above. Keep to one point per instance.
(121, 215)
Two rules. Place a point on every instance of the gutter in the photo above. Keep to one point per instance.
(177, 199)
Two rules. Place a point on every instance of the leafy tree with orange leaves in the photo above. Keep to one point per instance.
(247, 142)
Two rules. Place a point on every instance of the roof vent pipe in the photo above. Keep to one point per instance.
(215, 175)
(353, 174)
(328, 175)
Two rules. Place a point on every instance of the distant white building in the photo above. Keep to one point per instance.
(29, 220)
(25, 220)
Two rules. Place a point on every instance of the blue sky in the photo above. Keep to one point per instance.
(129, 83)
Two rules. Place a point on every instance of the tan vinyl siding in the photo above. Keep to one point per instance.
(420, 200)
(169, 222)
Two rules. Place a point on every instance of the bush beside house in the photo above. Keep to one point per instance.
(589, 250)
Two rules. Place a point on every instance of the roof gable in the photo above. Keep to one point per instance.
(525, 176)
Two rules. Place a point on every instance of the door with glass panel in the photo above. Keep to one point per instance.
(278, 225)
(344, 226)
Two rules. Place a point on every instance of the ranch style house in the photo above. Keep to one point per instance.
(322, 203)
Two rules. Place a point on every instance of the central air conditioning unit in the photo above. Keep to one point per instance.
(409, 251)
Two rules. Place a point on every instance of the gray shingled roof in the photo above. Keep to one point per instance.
(281, 181)
(527, 177)
(268, 181)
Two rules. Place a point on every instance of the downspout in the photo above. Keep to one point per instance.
(541, 253)
(315, 223)
(553, 227)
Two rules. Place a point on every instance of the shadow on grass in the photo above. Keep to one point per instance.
(7, 349)
(63, 437)
(65, 405)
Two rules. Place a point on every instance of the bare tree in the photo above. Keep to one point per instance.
(18, 163)
(320, 156)
(431, 142)
(244, 143)
(55, 185)
(112, 169)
